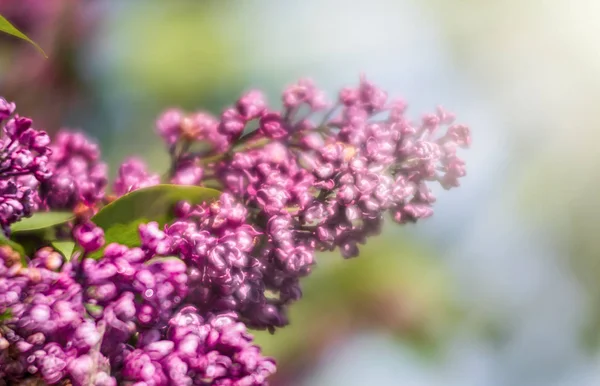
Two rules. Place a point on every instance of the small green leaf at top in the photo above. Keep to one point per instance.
(40, 221)
(7, 27)
(121, 218)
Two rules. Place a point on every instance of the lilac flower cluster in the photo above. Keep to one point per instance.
(124, 318)
(216, 350)
(23, 165)
(79, 176)
(231, 265)
(334, 179)
(293, 187)
(174, 310)
(44, 331)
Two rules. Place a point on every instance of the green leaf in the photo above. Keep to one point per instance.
(120, 219)
(41, 220)
(64, 247)
(10, 29)
(30, 242)
(6, 315)
(161, 259)
(93, 309)
(15, 246)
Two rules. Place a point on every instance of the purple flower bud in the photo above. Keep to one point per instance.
(158, 350)
(366, 183)
(324, 170)
(15, 202)
(139, 367)
(6, 109)
(353, 213)
(154, 239)
(133, 175)
(297, 260)
(313, 141)
(187, 174)
(86, 336)
(37, 140)
(347, 194)
(251, 105)
(89, 236)
(40, 313)
(124, 307)
(79, 176)
(454, 169)
(272, 126)
(101, 378)
(168, 125)
(61, 191)
(232, 123)
(228, 210)
(53, 364)
(460, 134)
(273, 199)
(23, 157)
(372, 97)
(348, 96)
(304, 92)
(17, 126)
(349, 249)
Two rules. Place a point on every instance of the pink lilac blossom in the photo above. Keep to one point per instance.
(294, 187)
(79, 176)
(217, 243)
(133, 175)
(24, 165)
(211, 350)
(174, 310)
(77, 320)
(44, 329)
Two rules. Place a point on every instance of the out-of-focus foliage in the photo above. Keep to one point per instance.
(47, 90)
(7, 27)
(567, 207)
(395, 286)
(180, 54)
(534, 61)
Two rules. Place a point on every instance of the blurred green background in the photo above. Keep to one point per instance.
(501, 287)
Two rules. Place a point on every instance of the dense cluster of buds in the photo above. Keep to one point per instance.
(23, 165)
(78, 175)
(174, 310)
